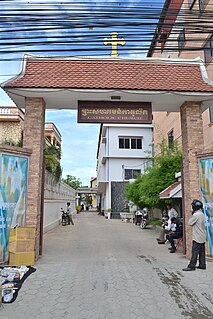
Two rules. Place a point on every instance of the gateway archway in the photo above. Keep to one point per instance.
(59, 83)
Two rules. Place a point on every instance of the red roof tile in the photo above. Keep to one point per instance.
(166, 192)
(105, 74)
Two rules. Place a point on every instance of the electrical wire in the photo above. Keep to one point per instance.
(64, 24)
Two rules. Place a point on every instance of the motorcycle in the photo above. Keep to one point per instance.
(64, 218)
(144, 218)
(138, 217)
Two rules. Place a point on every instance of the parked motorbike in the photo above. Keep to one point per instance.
(138, 217)
(144, 218)
(64, 218)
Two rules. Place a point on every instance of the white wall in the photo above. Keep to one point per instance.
(116, 172)
(113, 139)
(56, 196)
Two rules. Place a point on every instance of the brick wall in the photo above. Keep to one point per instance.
(34, 139)
(192, 143)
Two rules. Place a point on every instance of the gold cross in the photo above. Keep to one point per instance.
(114, 43)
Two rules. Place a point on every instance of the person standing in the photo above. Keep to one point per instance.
(197, 222)
(69, 213)
(171, 211)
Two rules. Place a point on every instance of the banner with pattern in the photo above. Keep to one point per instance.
(206, 188)
(13, 196)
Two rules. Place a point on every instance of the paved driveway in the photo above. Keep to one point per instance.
(108, 269)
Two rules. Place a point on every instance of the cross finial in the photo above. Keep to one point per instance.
(114, 42)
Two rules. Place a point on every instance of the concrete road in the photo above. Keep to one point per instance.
(102, 268)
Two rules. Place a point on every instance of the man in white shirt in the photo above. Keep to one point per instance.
(171, 211)
(197, 222)
(167, 227)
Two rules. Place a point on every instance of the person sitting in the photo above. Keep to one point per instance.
(167, 227)
(178, 233)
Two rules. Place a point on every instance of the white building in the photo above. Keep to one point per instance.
(123, 152)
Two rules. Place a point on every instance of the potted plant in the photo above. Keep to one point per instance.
(109, 210)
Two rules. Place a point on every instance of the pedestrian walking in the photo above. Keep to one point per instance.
(197, 222)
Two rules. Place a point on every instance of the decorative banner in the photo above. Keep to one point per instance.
(114, 112)
(206, 188)
(13, 194)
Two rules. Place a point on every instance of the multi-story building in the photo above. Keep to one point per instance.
(93, 184)
(12, 125)
(184, 31)
(123, 152)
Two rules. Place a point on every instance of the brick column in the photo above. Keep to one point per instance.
(192, 142)
(34, 139)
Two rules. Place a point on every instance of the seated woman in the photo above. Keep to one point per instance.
(167, 227)
(178, 233)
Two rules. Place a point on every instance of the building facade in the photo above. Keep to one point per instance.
(184, 31)
(124, 151)
(12, 126)
(93, 184)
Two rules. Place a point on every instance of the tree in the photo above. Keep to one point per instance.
(88, 199)
(145, 190)
(52, 156)
(72, 181)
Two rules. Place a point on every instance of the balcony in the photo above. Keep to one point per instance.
(11, 114)
(52, 134)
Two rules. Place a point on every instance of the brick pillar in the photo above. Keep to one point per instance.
(192, 142)
(34, 139)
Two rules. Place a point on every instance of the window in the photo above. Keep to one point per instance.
(171, 139)
(132, 173)
(123, 142)
(208, 49)
(211, 113)
(181, 39)
(135, 143)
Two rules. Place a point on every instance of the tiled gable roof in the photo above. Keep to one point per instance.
(166, 192)
(106, 74)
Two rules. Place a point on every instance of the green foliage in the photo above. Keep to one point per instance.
(52, 157)
(72, 181)
(156, 222)
(53, 151)
(145, 190)
(88, 199)
(13, 143)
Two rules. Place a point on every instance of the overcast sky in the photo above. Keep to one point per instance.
(79, 141)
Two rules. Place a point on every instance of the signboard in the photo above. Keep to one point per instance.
(114, 112)
(206, 189)
(13, 194)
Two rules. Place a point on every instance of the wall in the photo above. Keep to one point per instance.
(129, 130)
(10, 131)
(116, 171)
(117, 194)
(56, 196)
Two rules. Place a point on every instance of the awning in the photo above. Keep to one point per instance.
(173, 191)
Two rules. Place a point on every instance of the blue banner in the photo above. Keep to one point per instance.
(206, 188)
(13, 196)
